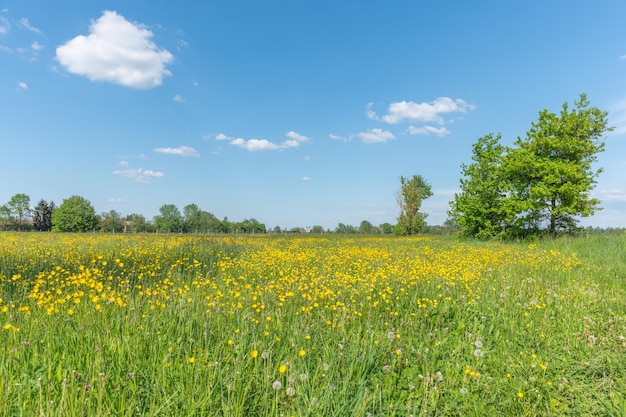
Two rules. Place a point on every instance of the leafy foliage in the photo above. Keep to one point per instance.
(478, 209)
(550, 170)
(542, 183)
(410, 196)
(75, 214)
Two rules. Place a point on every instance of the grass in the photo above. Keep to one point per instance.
(307, 326)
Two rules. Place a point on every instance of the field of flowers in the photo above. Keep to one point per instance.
(130, 325)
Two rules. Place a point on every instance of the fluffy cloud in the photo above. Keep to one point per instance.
(255, 145)
(22, 86)
(428, 130)
(139, 174)
(258, 145)
(116, 51)
(401, 111)
(297, 137)
(375, 136)
(180, 151)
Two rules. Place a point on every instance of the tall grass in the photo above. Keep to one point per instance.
(303, 326)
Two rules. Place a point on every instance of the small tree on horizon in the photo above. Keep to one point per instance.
(413, 191)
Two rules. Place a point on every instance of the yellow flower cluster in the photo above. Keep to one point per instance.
(334, 279)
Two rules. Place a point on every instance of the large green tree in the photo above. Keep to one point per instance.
(19, 205)
(478, 210)
(543, 182)
(413, 191)
(550, 171)
(169, 219)
(75, 214)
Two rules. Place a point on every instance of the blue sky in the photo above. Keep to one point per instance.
(294, 113)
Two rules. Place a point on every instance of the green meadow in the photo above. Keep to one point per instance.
(160, 325)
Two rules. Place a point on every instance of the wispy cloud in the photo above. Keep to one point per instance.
(259, 145)
(22, 86)
(26, 25)
(116, 200)
(375, 136)
(428, 130)
(182, 150)
(306, 178)
(617, 117)
(116, 51)
(36, 46)
(5, 26)
(401, 111)
(338, 137)
(178, 98)
(613, 194)
(139, 174)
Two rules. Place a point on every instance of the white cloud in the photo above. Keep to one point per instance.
(617, 117)
(5, 49)
(375, 136)
(116, 200)
(139, 174)
(622, 57)
(221, 136)
(26, 24)
(297, 137)
(401, 111)
(22, 86)
(180, 151)
(123, 163)
(337, 137)
(306, 178)
(36, 46)
(116, 51)
(257, 145)
(614, 194)
(428, 130)
(179, 98)
(5, 26)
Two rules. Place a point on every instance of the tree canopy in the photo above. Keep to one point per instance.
(75, 214)
(413, 191)
(542, 183)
